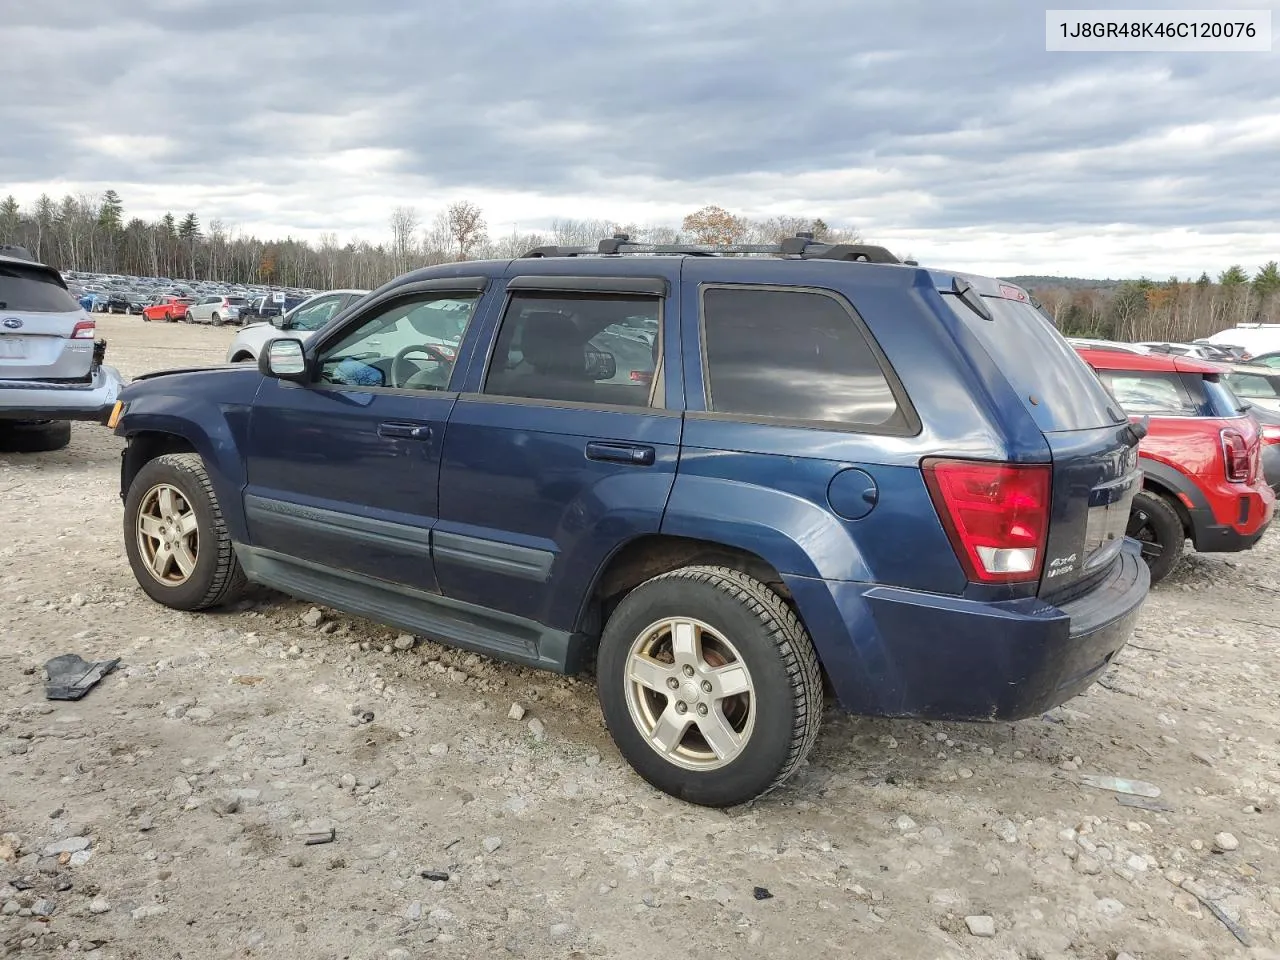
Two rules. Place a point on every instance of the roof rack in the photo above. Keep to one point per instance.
(802, 246)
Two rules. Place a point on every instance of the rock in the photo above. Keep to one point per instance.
(100, 906)
(69, 845)
(538, 729)
(413, 911)
(347, 781)
(148, 911)
(317, 832)
(964, 773)
(179, 789)
(43, 908)
(559, 931)
(905, 824)
(177, 713)
(145, 823)
(1225, 842)
(435, 875)
(405, 641)
(10, 908)
(200, 714)
(1108, 907)
(491, 844)
(398, 953)
(438, 749)
(981, 926)
(7, 853)
(1005, 830)
(80, 858)
(225, 806)
(313, 617)
(1202, 757)
(516, 712)
(1188, 904)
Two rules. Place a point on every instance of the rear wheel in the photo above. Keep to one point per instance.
(35, 437)
(1155, 524)
(709, 685)
(217, 320)
(176, 538)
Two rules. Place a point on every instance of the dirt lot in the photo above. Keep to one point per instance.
(160, 817)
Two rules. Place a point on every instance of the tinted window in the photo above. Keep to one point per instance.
(1219, 400)
(399, 346)
(582, 349)
(1252, 386)
(32, 292)
(234, 301)
(315, 315)
(1159, 394)
(793, 355)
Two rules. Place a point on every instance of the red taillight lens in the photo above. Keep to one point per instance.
(84, 330)
(995, 514)
(1235, 453)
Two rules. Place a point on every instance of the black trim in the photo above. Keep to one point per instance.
(1175, 481)
(464, 625)
(1210, 537)
(474, 397)
(904, 423)
(98, 415)
(650, 286)
(364, 530)
(492, 556)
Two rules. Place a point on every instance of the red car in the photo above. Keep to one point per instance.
(1201, 458)
(167, 308)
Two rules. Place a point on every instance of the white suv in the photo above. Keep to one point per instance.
(301, 322)
(216, 310)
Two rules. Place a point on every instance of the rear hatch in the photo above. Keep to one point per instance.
(44, 332)
(1093, 448)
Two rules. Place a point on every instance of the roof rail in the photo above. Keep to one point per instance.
(801, 246)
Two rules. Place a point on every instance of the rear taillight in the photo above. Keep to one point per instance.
(995, 514)
(84, 330)
(1235, 453)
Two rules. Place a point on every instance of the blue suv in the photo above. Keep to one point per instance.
(734, 483)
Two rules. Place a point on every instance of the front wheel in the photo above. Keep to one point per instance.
(1155, 524)
(176, 538)
(709, 685)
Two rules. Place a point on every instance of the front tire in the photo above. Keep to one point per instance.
(1155, 524)
(176, 538)
(709, 685)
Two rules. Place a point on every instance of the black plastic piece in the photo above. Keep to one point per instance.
(865, 252)
(653, 286)
(971, 298)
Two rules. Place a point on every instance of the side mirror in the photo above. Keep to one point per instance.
(601, 365)
(284, 359)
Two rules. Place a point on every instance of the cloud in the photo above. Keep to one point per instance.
(943, 127)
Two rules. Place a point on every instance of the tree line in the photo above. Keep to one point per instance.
(94, 235)
(1172, 310)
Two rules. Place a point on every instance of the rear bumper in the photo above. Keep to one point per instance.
(1253, 511)
(901, 653)
(42, 400)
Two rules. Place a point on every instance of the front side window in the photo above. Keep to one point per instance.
(402, 345)
(600, 349)
(791, 355)
(1157, 394)
(1253, 386)
(315, 315)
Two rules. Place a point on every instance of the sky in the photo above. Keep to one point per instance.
(942, 130)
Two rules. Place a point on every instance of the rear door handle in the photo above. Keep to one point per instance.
(404, 431)
(634, 454)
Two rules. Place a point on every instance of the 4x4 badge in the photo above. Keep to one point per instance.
(12, 323)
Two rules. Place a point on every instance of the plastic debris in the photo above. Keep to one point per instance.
(1137, 788)
(71, 677)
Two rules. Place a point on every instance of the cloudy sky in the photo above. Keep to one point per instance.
(941, 129)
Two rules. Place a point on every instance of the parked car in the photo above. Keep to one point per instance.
(217, 309)
(1199, 351)
(1224, 352)
(167, 308)
(119, 301)
(830, 462)
(1260, 385)
(267, 306)
(1107, 345)
(302, 321)
(1257, 338)
(1200, 459)
(1269, 424)
(51, 369)
(1271, 360)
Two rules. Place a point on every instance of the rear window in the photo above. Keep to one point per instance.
(793, 355)
(30, 291)
(236, 301)
(1039, 363)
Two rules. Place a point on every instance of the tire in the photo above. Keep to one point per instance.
(217, 320)
(1155, 523)
(35, 437)
(215, 577)
(244, 358)
(778, 717)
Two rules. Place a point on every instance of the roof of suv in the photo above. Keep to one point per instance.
(1158, 362)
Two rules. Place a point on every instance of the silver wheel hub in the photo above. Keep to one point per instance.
(690, 694)
(167, 535)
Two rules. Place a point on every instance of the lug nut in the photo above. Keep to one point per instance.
(706, 686)
(673, 683)
(688, 670)
(681, 707)
(702, 709)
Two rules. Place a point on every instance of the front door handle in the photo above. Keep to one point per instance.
(404, 431)
(631, 453)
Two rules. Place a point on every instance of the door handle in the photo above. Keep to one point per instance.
(634, 454)
(404, 431)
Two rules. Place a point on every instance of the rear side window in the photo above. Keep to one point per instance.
(1148, 392)
(1039, 363)
(792, 355)
(30, 291)
(1253, 386)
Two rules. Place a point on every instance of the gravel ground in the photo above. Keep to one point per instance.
(166, 815)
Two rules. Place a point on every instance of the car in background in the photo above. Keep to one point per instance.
(1199, 351)
(1200, 458)
(302, 321)
(51, 366)
(217, 310)
(167, 308)
(1258, 384)
(1225, 352)
(1270, 360)
(1107, 345)
(267, 306)
(1257, 338)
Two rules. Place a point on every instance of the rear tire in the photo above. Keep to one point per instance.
(171, 501)
(35, 437)
(1155, 523)
(217, 320)
(709, 649)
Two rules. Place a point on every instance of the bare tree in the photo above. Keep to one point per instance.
(404, 221)
(466, 226)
